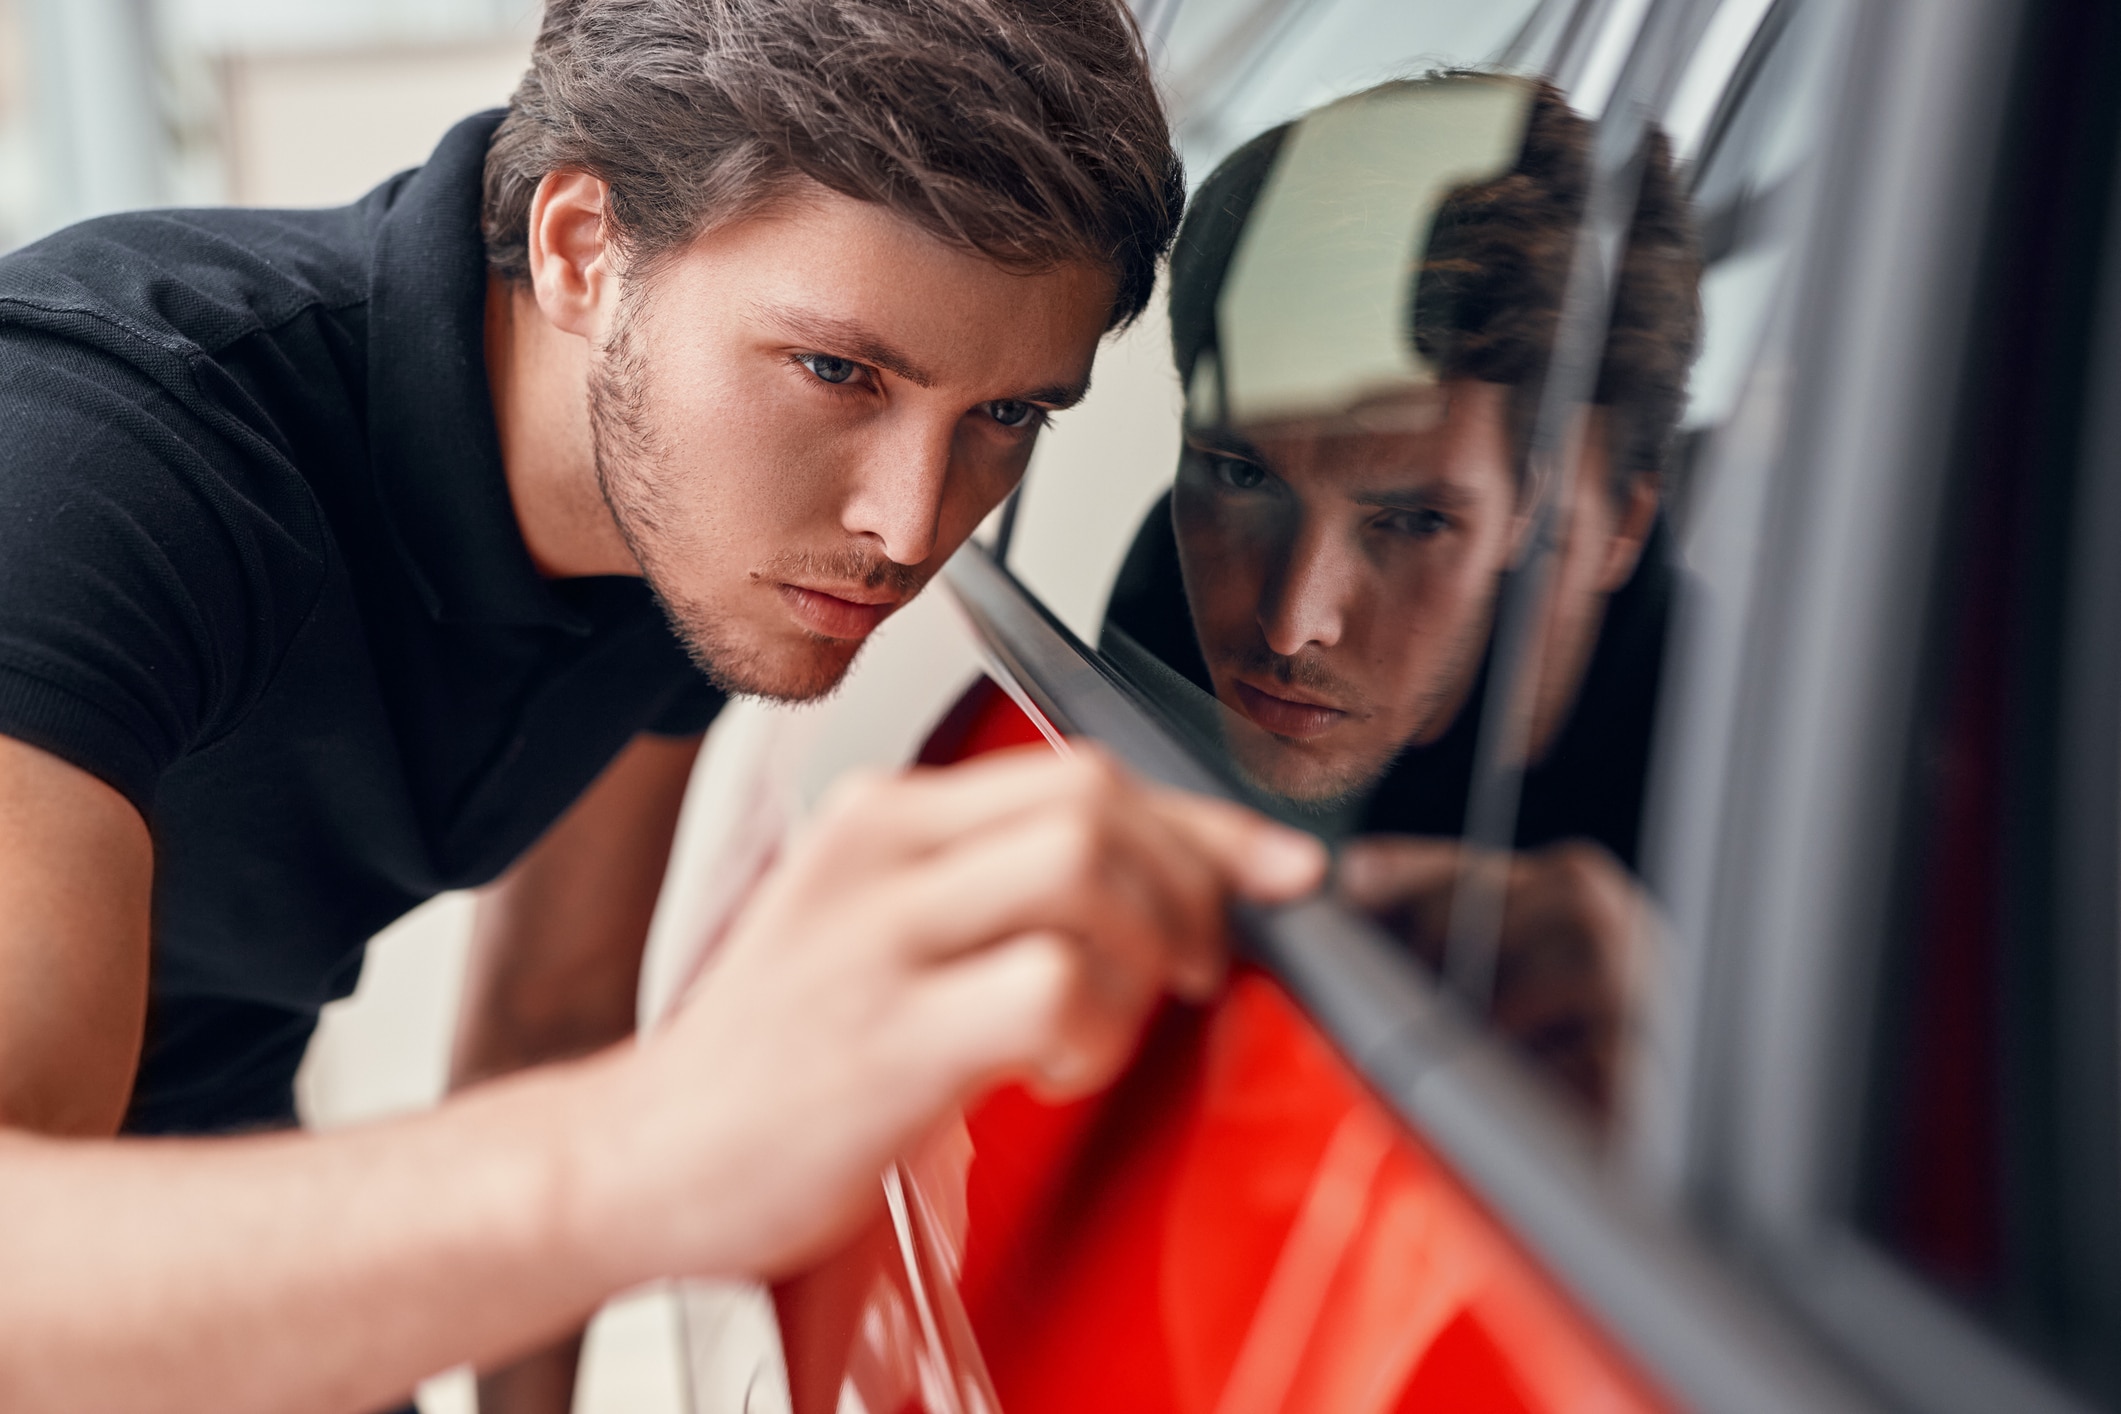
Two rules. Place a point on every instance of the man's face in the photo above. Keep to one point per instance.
(1342, 575)
(801, 416)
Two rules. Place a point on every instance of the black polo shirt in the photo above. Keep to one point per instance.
(260, 572)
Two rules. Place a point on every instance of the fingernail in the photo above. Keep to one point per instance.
(1286, 861)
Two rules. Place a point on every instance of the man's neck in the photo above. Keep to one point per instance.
(539, 378)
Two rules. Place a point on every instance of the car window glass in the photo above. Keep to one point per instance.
(1395, 573)
(1410, 584)
(1362, 310)
(1328, 48)
(1100, 465)
(1310, 483)
(1203, 44)
(1551, 929)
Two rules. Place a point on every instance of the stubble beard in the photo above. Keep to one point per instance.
(1286, 770)
(628, 454)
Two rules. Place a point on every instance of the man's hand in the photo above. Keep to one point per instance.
(927, 936)
(1566, 974)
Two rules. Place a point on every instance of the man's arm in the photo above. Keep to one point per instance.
(926, 937)
(555, 969)
(75, 869)
(170, 1220)
(289, 1272)
(556, 952)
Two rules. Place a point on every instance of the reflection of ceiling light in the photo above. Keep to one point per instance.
(1204, 395)
(1314, 315)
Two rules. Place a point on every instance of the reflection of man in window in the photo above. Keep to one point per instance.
(1341, 566)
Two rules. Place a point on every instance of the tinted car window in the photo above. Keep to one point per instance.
(1410, 580)
(1100, 465)
(1238, 68)
(1363, 308)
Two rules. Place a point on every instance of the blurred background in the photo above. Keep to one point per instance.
(112, 104)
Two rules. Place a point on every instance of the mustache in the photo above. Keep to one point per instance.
(849, 564)
(1300, 671)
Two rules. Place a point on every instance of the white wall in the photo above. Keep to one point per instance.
(318, 129)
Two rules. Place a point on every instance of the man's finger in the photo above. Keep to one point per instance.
(928, 806)
(1385, 871)
(1258, 859)
(1028, 1008)
(924, 809)
(1093, 879)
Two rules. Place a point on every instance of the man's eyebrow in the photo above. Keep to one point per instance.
(1435, 495)
(843, 338)
(1057, 395)
(1222, 439)
(850, 338)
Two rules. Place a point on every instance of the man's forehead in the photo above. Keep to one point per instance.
(855, 268)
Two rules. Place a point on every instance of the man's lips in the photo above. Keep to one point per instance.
(838, 613)
(1285, 716)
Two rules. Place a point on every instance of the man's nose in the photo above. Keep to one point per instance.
(897, 497)
(1307, 601)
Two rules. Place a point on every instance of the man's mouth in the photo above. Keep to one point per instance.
(1287, 716)
(844, 611)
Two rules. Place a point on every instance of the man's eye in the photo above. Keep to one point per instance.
(1011, 413)
(827, 368)
(1237, 473)
(1418, 524)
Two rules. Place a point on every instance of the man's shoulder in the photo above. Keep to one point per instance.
(190, 281)
(154, 452)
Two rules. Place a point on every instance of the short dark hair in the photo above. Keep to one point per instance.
(1487, 299)
(1028, 131)
(1495, 272)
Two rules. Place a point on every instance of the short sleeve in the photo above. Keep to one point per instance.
(144, 583)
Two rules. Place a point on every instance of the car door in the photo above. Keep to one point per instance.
(1857, 1149)
(1894, 838)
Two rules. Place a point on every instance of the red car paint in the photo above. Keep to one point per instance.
(1238, 1227)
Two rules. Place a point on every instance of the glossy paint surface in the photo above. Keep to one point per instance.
(1237, 1226)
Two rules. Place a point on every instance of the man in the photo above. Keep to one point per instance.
(349, 556)
(1330, 562)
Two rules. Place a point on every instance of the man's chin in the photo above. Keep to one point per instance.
(1313, 780)
(804, 671)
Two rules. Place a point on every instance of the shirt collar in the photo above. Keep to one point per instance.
(432, 439)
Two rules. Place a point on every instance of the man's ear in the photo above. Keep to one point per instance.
(1638, 512)
(573, 258)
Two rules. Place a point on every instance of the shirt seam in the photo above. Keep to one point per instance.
(12, 662)
(186, 349)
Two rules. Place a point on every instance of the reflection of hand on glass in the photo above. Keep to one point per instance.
(1567, 972)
